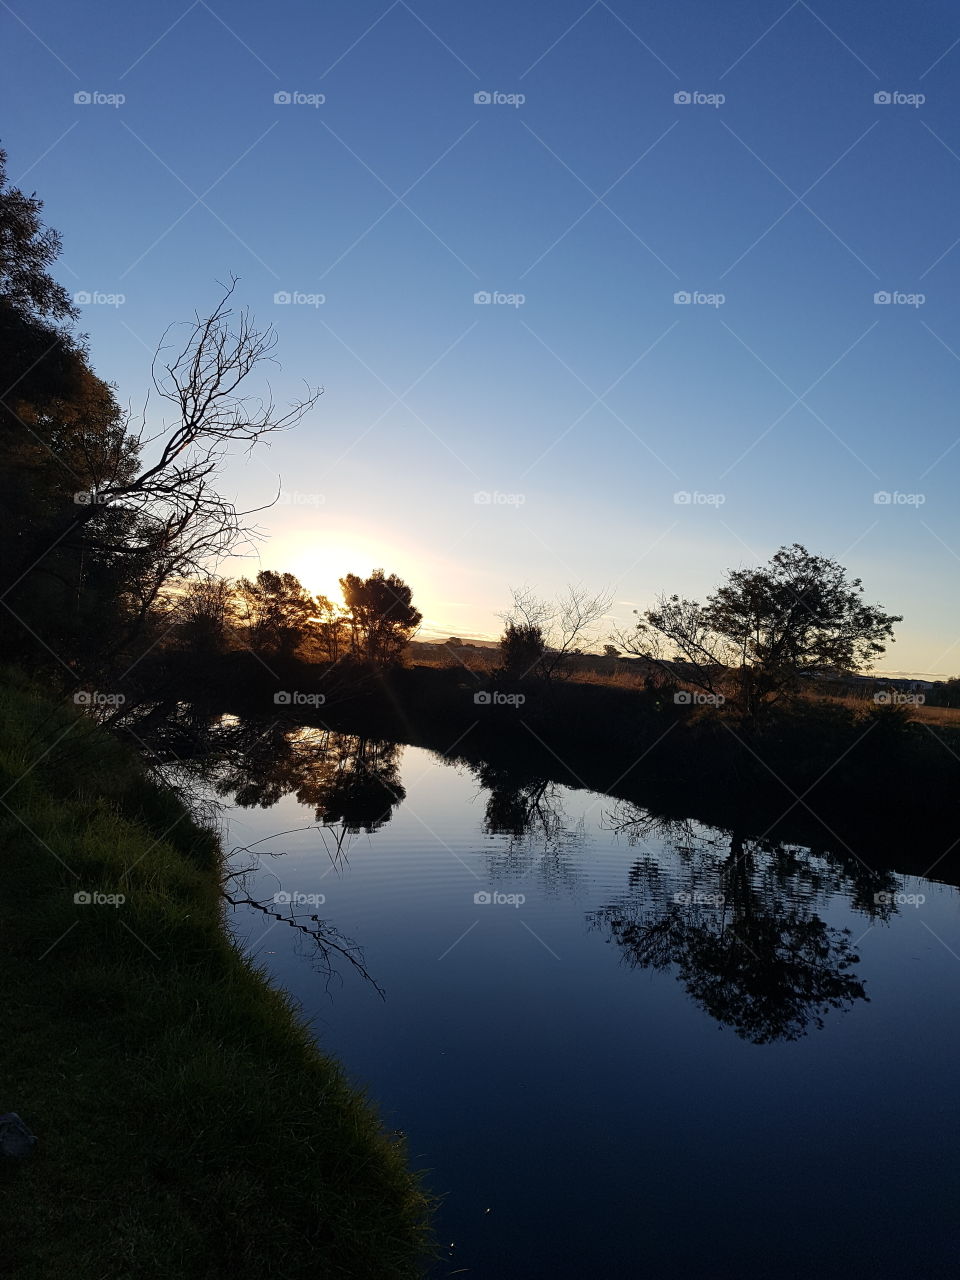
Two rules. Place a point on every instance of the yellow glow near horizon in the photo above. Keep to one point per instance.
(319, 557)
(320, 569)
(321, 561)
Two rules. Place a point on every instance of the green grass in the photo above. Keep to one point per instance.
(187, 1125)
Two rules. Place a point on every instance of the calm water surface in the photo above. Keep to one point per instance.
(642, 1050)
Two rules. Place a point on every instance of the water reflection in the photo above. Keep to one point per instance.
(735, 919)
(533, 835)
(351, 783)
(518, 807)
(348, 781)
(738, 920)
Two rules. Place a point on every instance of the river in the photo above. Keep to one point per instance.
(618, 1046)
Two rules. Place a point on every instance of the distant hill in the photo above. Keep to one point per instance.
(437, 639)
(432, 644)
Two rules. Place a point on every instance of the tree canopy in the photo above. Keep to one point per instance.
(770, 627)
(380, 616)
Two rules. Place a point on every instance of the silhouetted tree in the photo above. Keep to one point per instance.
(770, 628)
(522, 650)
(277, 612)
(330, 633)
(380, 615)
(98, 516)
(945, 693)
(204, 613)
(557, 628)
(57, 421)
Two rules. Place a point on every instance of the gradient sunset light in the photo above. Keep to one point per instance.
(586, 394)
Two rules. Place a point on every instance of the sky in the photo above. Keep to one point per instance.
(618, 295)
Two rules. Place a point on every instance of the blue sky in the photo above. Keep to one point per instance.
(586, 408)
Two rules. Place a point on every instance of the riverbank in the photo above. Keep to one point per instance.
(187, 1125)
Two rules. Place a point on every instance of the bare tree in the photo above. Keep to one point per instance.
(155, 504)
(546, 632)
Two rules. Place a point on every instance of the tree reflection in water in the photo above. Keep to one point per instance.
(349, 781)
(352, 783)
(735, 918)
(540, 837)
(739, 927)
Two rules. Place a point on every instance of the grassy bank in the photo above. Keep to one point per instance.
(187, 1125)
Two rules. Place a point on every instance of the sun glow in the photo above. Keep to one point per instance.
(320, 569)
(320, 562)
(319, 557)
